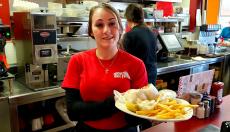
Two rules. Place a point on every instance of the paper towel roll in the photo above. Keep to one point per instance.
(198, 17)
(10, 52)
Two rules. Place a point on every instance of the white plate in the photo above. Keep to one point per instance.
(121, 106)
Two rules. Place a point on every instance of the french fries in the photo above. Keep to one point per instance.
(168, 108)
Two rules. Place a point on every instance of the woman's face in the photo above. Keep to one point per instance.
(105, 28)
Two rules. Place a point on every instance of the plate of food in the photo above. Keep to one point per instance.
(148, 103)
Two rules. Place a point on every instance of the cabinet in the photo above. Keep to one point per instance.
(5, 12)
(226, 74)
(25, 105)
(5, 115)
(166, 0)
(128, 1)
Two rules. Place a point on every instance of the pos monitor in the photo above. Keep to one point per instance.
(169, 43)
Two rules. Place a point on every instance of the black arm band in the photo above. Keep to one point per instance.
(78, 110)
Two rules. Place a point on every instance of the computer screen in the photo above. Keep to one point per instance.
(170, 42)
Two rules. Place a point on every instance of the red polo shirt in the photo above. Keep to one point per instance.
(85, 73)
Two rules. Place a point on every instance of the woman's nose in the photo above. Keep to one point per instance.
(106, 29)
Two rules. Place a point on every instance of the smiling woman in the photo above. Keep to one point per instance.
(92, 76)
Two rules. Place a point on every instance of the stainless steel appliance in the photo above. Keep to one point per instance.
(62, 66)
(40, 28)
(35, 74)
(44, 37)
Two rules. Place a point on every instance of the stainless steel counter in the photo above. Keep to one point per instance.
(181, 64)
(21, 94)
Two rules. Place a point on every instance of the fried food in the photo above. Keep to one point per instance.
(167, 108)
(147, 101)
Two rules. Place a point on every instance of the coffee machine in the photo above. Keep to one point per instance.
(44, 36)
(40, 29)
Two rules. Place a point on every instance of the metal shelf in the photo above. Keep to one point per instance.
(78, 38)
(72, 19)
(60, 128)
(85, 19)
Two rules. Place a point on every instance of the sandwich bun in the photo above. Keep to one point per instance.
(131, 95)
(150, 91)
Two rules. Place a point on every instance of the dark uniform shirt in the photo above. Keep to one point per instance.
(141, 42)
(225, 33)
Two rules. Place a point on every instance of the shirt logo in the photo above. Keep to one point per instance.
(124, 74)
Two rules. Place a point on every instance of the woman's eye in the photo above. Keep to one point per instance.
(112, 24)
(99, 25)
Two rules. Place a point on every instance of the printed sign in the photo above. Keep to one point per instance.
(198, 82)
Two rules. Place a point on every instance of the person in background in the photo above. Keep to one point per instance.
(92, 76)
(225, 33)
(141, 41)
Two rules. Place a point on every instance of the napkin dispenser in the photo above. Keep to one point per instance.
(225, 126)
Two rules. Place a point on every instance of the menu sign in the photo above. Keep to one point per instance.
(198, 82)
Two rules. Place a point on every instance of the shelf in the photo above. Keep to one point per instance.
(60, 128)
(164, 20)
(72, 19)
(67, 39)
(85, 19)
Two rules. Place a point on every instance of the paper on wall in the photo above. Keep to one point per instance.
(198, 17)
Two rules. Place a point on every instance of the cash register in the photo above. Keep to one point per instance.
(170, 44)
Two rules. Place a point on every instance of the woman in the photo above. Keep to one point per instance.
(141, 41)
(92, 76)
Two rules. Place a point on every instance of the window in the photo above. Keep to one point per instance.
(224, 16)
(224, 9)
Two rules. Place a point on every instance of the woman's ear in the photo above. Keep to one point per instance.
(91, 34)
(120, 32)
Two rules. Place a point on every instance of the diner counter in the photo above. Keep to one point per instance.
(21, 94)
(194, 124)
(181, 64)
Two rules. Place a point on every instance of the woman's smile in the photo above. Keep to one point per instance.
(107, 37)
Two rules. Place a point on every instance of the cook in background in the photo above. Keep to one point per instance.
(225, 33)
(92, 76)
(141, 41)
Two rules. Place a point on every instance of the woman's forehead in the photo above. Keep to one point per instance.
(103, 13)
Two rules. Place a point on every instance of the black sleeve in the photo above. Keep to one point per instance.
(82, 111)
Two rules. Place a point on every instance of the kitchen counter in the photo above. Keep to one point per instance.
(21, 94)
(181, 64)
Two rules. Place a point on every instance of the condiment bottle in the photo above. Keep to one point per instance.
(212, 104)
(217, 91)
(207, 108)
(195, 99)
(200, 111)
